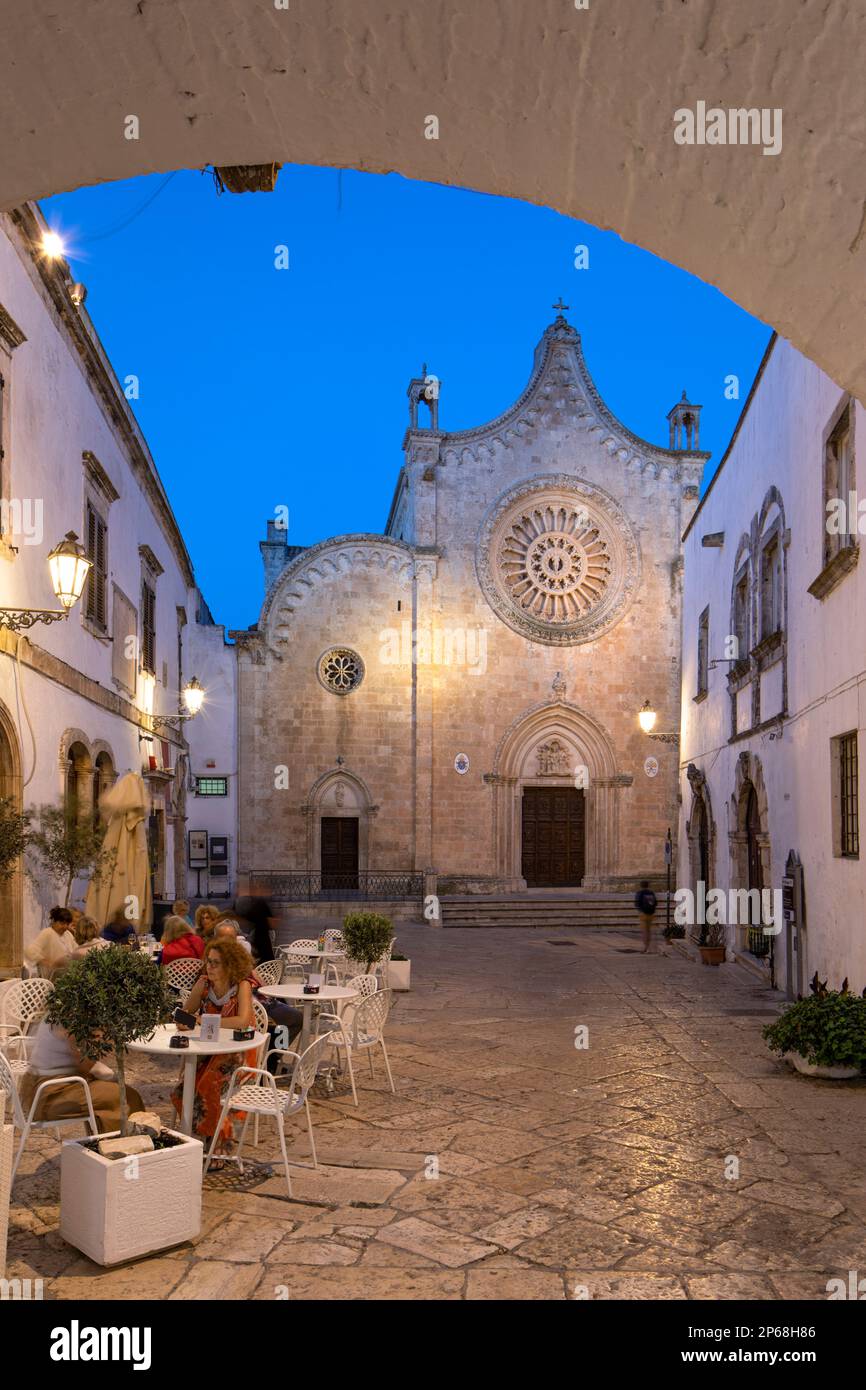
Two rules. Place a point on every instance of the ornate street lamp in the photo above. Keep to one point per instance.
(193, 698)
(647, 720)
(69, 568)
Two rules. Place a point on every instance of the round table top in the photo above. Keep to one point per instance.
(296, 991)
(309, 951)
(158, 1043)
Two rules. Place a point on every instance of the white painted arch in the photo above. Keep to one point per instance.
(563, 106)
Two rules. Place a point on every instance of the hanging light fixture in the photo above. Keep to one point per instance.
(647, 717)
(193, 697)
(647, 720)
(69, 567)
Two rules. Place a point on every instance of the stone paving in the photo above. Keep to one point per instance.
(563, 1172)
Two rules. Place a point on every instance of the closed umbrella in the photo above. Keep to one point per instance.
(126, 884)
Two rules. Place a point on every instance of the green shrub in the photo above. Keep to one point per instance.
(829, 1030)
(109, 998)
(367, 936)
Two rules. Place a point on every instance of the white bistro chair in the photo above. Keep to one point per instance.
(362, 1032)
(256, 1091)
(23, 1004)
(182, 974)
(8, 1083)
(270, 972)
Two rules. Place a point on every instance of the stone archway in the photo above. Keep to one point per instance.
(11, 790)
(339, 795)
(556, 744)
(700, 832)
(544, 102)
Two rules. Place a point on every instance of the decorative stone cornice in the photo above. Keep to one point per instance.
(338, 556)
(98, 476)
(10, 333)
(150, 560)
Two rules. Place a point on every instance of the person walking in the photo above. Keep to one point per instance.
(646, 902)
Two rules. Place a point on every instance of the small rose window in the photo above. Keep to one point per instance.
(341, 670)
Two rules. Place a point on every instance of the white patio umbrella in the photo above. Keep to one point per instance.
(127, 884)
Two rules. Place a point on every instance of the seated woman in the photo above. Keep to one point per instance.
(285, 1023)
(87, 936)
(205, 917)
(56, 1054)
(180, 942)
(224, 989)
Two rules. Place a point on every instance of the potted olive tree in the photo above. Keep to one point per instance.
(823, 1035)
(120, 1206)
(367, 936)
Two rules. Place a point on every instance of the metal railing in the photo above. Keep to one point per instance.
(305, 885)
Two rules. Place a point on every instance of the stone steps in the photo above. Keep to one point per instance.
(542, 911)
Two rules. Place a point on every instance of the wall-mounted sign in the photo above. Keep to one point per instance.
(219, 849)
(197, 849)
(461, 763)
(651, 767)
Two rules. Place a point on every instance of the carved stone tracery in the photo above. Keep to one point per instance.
(557, 560)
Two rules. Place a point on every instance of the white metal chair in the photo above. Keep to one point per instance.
(363, 1033)
(292, 972)
(9, 1084)
(270, 972)
(294, 951)
(24, 1004)
(255, 1091)
(263, 1023)
(182, 974)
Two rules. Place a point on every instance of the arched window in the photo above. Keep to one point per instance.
(78, 795)
(103, 777)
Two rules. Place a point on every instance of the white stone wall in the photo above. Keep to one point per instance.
(63, 401)
(212, 738)
(780, 444)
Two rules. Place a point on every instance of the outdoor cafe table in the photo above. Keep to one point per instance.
(295, 992)
(306, 953)
(157, 1045)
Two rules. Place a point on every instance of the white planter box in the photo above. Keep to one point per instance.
(398, 974)
(826, 1073)
(117, 1209)
(6, 1141)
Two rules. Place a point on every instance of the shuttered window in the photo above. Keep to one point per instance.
(97, 581)
(148, 628)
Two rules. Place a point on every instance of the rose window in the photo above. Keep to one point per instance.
(557, 559)
(555, 563)
(341, 670)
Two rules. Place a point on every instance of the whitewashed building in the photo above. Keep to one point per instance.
(774, 675)
(77, 697)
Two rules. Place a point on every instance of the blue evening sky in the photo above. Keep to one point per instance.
(262, 388)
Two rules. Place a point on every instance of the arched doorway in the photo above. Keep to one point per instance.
(759, 943)
(556, 800)
(339, 813)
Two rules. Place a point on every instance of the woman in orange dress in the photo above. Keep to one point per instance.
(224, 989)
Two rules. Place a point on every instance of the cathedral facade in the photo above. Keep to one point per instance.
(459, 695)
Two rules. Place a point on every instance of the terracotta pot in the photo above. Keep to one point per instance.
(712, 955)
